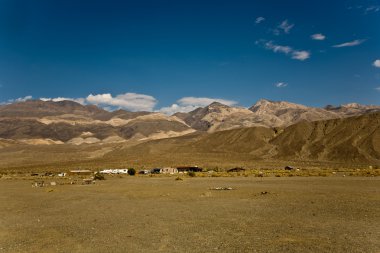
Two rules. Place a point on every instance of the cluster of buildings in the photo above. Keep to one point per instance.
(171, 170)
(165, 170)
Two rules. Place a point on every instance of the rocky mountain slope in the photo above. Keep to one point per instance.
(47, 122)
(216, 116)
(348, 140)
(268, 133)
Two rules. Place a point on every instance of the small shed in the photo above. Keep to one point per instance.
(169, 170)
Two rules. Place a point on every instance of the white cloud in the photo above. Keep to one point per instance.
(318, 36)
(187, 104)
(376, 63)
(285, 26)
(17, 100)
(169, 110)
(281, 85)
(300, 55)
(58, 99)
(378, 88)
(23, 99)
(350, 44)
(278, 48)
(129, 101)
(259, 20)
(136, 102)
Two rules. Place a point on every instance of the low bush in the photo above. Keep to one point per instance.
(131, 171)
(99, 176)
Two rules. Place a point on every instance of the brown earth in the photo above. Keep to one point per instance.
(160, 214)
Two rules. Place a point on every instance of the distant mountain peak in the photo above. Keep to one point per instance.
(265, 106)
(353, 105)
(217, 104)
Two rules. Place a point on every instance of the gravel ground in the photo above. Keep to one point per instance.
(144, 214)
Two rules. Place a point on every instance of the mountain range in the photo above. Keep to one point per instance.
(266, 130)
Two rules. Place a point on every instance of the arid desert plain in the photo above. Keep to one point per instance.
(195, 214)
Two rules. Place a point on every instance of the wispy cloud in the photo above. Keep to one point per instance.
(281, 85)
(22, 99)
(278, 48)
(378, 88)
(259, 20)
(187, 104)
(376, 63)
(17, 100)
(372, 8)
(365, 9)
(318, 36)
(284, 26)
(350, 44)
(300, 55)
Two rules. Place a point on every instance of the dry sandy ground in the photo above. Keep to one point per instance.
(144, 214)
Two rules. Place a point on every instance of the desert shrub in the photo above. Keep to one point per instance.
(178, 178)
(99, 176)
(191, 174)
(131, 171)
(260, 174)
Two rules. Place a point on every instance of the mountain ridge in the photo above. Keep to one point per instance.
(67, 121)
(353, 140)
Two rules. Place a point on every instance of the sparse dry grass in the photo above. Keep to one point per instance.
(153, 214)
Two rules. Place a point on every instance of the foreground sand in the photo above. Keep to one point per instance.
(144, 214)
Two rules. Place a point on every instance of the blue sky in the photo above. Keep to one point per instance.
(146, 55)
